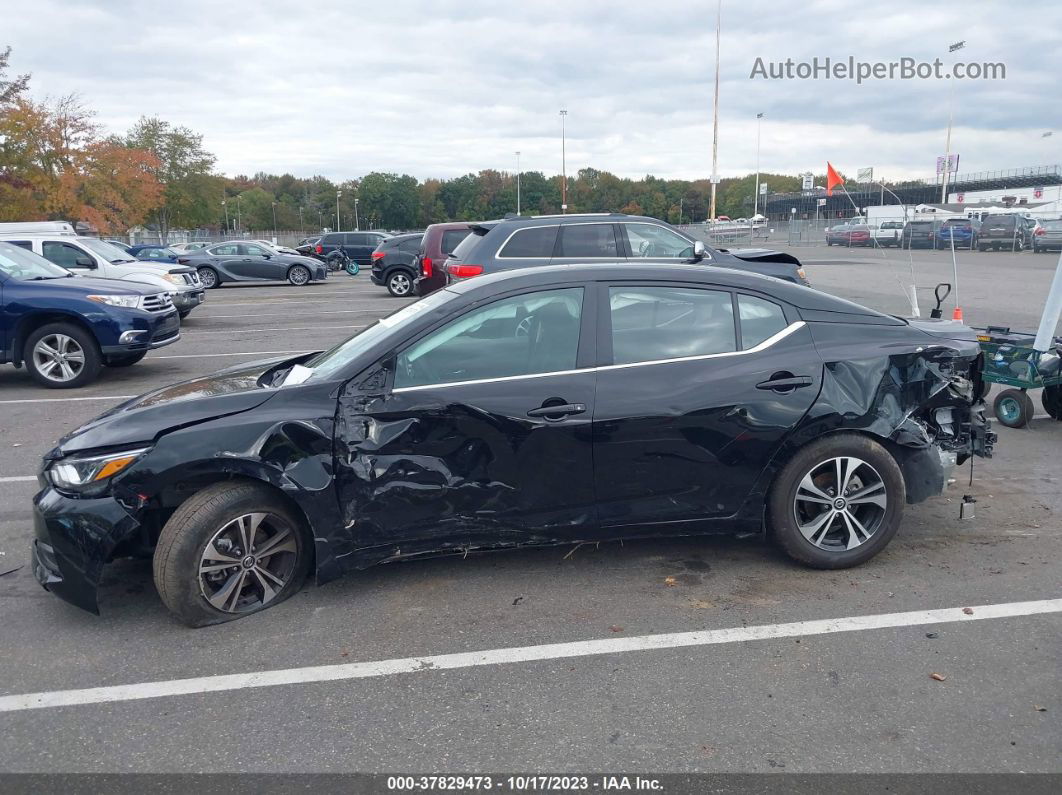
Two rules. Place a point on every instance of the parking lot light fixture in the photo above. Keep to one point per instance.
(564, 167)
(274, 218)
(225, 207)
(338, 194)
(951, 117)
(357, 223)
(715, 111)
(517, 183)
(756, 195)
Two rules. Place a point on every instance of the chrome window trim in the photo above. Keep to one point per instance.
(767, 343)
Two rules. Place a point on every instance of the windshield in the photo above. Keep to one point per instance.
(25, 266)
(109, 252)
(332, 361)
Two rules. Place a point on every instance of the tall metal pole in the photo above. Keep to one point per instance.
(564, 168)
(302, 225)
(274, 218)
(517, 183)
(225, 207)
(357, 221)
(681, 199)
(756, 198)
(239, 219)
(715, 111)
(338, 194)
(951, 116)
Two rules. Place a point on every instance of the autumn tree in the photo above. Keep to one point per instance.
(184, 168)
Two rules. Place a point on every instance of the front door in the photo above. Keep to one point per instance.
(477, 434)
(645, 242)
(696, 401)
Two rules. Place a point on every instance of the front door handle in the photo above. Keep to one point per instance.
(558, 412)
(785, 384)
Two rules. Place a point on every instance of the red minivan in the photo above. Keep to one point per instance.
(439, 241)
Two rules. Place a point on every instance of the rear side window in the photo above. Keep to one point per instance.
(760, 320)
(536, 241)
(412, 245)
(655, 323)
(332, 240)
(451, 238)
(588, 240)
(355, 239)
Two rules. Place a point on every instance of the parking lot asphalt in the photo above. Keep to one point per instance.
(847, 699)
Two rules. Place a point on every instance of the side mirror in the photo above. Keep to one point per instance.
(698, 249)
(84, 261)
(267, 256)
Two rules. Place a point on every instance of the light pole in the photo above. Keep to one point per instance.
(681, 199)
(951, 115)
(225, 207)
(756, 196)
(320, 220)
(357, 223)
(564, 168)
(302, 225)
(239, 219)
(274, 218)
(715, 111)
(517, 183)
(338, 194)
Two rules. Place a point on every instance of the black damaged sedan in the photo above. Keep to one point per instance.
(545, 406)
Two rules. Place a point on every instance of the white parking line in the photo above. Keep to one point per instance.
(288, 314)
(551, 651)
(241, 353)
(252, 330)
(286, 301)
(65, 399)
(19, 479)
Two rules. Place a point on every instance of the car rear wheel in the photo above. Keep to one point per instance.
(229, 551)
(399, 284)
(837, 503)
(209, 278)
(128, 360)
(298, 275)
(1013, 408)
(62, 356)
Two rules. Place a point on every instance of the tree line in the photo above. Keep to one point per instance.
(57, 163)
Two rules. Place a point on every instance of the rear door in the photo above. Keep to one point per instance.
(587, 242)
(699, 389)
(479, 433)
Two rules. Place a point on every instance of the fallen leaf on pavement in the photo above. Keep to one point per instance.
(938, 677)
(1038, 708)
(670, 581)
(968, 611)
(614, 628)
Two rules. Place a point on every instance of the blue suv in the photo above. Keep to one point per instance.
(65, 328)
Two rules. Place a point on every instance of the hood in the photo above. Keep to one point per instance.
(87, 285)
(761, 255)
(147, 417)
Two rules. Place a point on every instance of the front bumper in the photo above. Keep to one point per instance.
(164, 331)
(73, 540)
(188, 299)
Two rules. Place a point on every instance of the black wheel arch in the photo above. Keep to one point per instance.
(33, 321)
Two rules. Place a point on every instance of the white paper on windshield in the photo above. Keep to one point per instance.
(297, 375)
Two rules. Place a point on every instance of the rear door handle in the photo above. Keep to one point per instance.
(785, 384)
(558, 412)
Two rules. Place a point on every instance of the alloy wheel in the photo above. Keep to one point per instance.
(208, 278)
(299, 275)
(400, 284)
(840, 503)
(248, 562)
(58, 357)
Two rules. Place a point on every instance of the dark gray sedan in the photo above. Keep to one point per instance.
(250, 262)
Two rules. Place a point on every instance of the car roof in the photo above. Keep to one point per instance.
(553, 220)
(796, 294)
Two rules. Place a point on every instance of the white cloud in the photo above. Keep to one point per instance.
(444, 88)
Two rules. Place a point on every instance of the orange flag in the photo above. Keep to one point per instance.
(833, 179)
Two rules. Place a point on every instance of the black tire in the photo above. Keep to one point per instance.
(209, 277)
(184, 539)
(1051, 398)
(400, 283)
(299, 275)
(782, 519)
(1013, 408)
(90, 358)
(125, 361)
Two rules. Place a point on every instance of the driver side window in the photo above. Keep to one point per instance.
(523, 335)
(63, 254)
(253, 250)
(650, 240)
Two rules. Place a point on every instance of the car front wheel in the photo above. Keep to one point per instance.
(62, 356)
(229, 551)
(837, 503)
(299, 275)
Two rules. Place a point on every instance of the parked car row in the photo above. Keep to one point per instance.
(1001, 231)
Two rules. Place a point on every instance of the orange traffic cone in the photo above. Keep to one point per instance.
(957, 314)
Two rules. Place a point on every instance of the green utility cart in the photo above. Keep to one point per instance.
(1011, 360)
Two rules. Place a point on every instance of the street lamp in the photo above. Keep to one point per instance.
(564, 168)
(302, 226)
(239, 219)
(951, 115)
(224, 206)
(517, 183)
(715, 111)
(274, 218)
(338, 194)
(756, 197)
(357, 223)
(681, 199)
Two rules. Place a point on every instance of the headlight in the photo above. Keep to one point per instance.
(91, 473)
(128, 301)
(175, 278)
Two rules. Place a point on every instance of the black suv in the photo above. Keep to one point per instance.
(523, 242)
(918, 234)
(357, 245)
(394, 263)
(1006, 231)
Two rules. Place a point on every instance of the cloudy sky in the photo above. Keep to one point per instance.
(447, 87)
